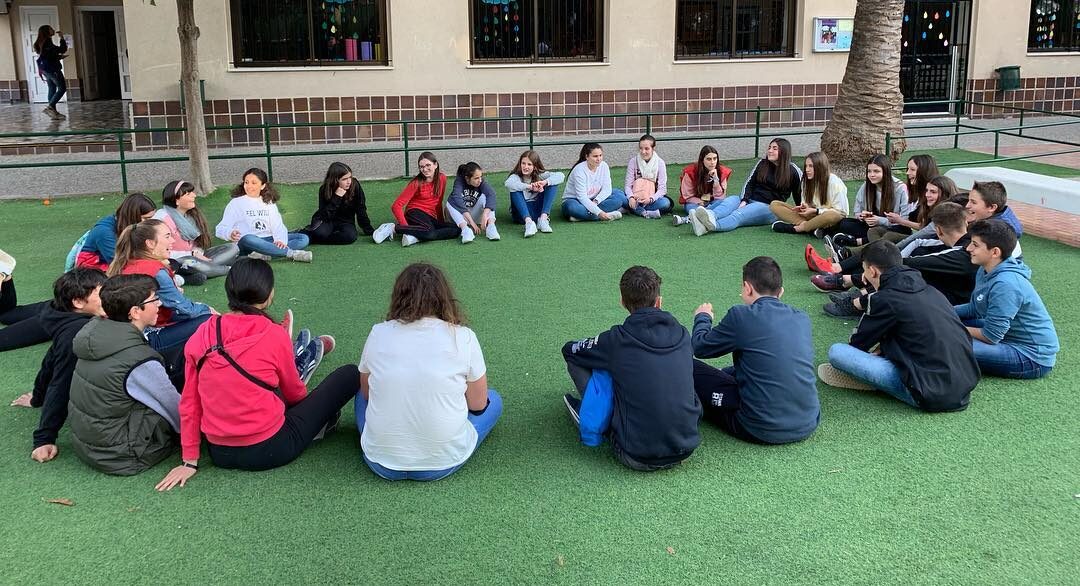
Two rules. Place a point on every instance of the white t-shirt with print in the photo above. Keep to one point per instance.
(251, 215)
(417, 417)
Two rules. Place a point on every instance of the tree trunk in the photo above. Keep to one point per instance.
(870, 103)
(193, 107)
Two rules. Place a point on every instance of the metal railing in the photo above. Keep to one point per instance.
(530, 140)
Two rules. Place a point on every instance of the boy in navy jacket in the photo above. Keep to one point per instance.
(770, 395)
(648, 363)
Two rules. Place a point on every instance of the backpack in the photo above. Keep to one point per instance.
(73, 254)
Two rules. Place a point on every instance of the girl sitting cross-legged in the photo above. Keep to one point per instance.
(588, 195)
(342, 207)
(824, 200)
(253, 221)
(419, 210)
(192, 257)
(646, 181)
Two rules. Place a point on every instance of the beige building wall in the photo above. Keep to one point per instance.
(432, 54)
(66, 25)
(999, 37)
(7, 49)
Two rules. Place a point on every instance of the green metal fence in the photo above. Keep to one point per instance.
(122, 136)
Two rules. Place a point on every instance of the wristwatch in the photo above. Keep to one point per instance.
(194, 467)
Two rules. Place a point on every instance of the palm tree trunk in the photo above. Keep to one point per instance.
(870, 103)
(198, 152)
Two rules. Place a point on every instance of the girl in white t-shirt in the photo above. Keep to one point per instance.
(253, 222)
(424, 404)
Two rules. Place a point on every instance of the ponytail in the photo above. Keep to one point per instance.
(466, 170)
(131, 244)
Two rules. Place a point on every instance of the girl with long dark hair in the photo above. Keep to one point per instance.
(192, 255)
(97, 247)
(880, 194)
(342, 206)
(532, 192)
(419, 210)
(824, 200)
(588, 195)
(50, 66)
(252, 220)
(702, 183)
(471, 204)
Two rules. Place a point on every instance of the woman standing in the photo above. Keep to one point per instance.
(50, 67)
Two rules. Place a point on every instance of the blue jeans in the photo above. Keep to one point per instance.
(173, 335)
(1004, 360)
(522, 208)
(874, 370)
(57, 86)
(483, 423)
(730, 216)
(662, 204)
(252, 243)
(572, 208)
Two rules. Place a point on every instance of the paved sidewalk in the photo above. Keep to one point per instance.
(67, 181)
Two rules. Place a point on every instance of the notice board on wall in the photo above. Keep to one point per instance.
(833, 35)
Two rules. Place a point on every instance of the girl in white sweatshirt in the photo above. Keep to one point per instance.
(588, 195)
(252, 220)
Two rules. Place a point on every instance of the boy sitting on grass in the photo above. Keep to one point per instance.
(636, 381)
(924, 355)
(1013, 335)
(769, 396)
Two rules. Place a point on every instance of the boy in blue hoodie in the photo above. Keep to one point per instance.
(637, 381)
(1012, 333)
(770, 395)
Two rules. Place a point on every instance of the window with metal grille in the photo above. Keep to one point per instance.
(322, 33)
(726, 29)
(1054, 25)
(536, 31)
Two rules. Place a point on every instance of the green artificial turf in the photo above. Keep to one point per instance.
(880, 493)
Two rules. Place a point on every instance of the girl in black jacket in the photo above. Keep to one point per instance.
(50, 67)
(342, 205)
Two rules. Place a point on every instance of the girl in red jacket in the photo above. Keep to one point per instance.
(419, 209)
(242, 389)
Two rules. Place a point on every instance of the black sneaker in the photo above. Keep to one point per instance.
(195, 279)
(842, 308)
(573, 405)
(842, 239)
(782, 227)
(839, 296)
(843, 253)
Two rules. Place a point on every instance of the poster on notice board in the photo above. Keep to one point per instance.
(833, 35)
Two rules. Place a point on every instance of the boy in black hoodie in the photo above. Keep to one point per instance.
(655, 412)
(75, 302)
(924, 357)
(769, 396)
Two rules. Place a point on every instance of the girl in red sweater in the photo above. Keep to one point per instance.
(242, 389)
(419, 208)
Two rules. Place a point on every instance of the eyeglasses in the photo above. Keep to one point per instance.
(154, 299)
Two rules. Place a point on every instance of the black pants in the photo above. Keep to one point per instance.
(24, 329)
(303, 421)
(425, 227)
(332, 233)
(718, 392)
(852, 227)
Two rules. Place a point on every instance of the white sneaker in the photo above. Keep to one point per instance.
(544, 225)
(492, 233)
(695, 223)
(299, 255)
(530, 228)
(259, 256)
(7, 265)
(383, 232)
(651, 214)
(706, 218)
(677, 220)
(616, 215)
(467, 235)
(409, 240)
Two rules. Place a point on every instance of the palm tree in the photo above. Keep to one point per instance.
(870, 103)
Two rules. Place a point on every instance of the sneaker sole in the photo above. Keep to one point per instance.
(573, 414)
(834, 377)
(698, 227)
(329, 343)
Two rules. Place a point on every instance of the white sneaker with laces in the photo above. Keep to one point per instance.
(492, 233)
(530, 228)
(616, 215)
(383, 232)
(651, 214)
(299, 255)
(259, 256)
(408, 240)
(677, 220)
(467, 235)
(706, 218)
(544, 225)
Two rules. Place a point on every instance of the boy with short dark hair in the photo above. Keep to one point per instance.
(638, 379)
(924, 355)
(75, 302)
(1013, 335)
(124, 411)
(769, 396)
(988, 200)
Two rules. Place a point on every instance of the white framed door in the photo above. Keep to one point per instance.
(86, 42)
(31, 18)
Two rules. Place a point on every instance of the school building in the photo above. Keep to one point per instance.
(424, 60)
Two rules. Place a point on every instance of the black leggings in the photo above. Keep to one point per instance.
(425, 227)
(718, 392)
(332, 233)
(24, 329)
(852, 227)
(303, 421)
